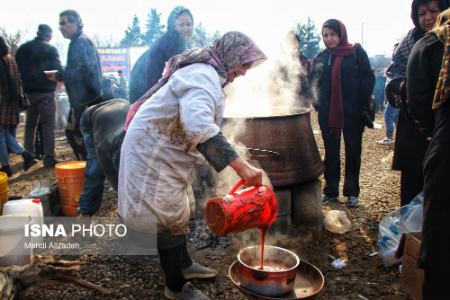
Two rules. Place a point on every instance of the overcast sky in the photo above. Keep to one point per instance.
(377, 24)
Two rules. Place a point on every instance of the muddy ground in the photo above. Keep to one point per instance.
(364, 277)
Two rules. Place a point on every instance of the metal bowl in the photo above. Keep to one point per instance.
(277, 277)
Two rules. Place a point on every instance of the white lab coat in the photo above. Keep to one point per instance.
(159, 150)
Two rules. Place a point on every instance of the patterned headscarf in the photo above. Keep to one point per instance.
(232, 50)
(441, 30)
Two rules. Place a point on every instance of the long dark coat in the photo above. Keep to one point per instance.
(9, 110)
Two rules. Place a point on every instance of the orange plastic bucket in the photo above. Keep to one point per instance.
(3, 190)
(70, 183)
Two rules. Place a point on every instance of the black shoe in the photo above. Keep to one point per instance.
(6, 169)
(329, 199)
(50, 163)
(28, 160)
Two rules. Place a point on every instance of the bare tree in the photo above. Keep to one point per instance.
(12, 39)
(105, 41)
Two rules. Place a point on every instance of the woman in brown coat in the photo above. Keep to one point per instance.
(10, 91)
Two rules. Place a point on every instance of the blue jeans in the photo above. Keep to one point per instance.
(390, 119)
(91, 197)
(8, 141)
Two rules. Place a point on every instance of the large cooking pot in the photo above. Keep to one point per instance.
(286, 131)
(277, 277)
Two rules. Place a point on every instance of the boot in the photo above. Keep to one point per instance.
(6, 169)
(28, 160)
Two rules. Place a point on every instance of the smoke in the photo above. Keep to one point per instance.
(275, 83)
(270, 88)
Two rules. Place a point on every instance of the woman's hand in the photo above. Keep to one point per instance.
(252, 176)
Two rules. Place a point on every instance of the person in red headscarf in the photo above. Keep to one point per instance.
(344, 81)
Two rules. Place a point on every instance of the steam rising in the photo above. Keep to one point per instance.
(274, 83)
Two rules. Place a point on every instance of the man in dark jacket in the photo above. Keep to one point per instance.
(34, 58)
(82, 76)
(103, 128)
(429, 104)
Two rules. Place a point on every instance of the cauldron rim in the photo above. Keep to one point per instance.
(292, 111)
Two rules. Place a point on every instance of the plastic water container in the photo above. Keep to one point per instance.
(42, 193)
(26, 207)
(12, 240)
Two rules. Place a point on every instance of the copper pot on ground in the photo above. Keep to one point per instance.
(277, 277)
(286, 131)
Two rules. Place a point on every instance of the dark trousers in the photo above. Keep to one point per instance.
(352, 131)
(173, 258)
(42, 110)
(435, 248)
(39, 142)
(92, 194)
(73, 134)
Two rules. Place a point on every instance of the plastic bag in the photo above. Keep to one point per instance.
(62, 110)
(406, 219)
(337, 221)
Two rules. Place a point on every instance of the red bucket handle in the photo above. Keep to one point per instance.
(236, 187)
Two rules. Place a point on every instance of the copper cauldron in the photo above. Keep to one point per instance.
(277, 277)
(286, 131)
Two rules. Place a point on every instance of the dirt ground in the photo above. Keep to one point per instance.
(364, 277)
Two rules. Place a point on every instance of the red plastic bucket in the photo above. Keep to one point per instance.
(254, 207)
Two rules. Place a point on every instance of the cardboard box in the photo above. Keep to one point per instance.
(411, 277)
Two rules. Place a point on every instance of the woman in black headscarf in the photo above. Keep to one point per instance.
(149, 66)
(428, 85)
(410, 142)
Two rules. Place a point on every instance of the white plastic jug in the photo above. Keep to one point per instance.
(26, 207)
(12, 240)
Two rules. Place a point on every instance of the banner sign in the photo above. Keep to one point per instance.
(113, 60)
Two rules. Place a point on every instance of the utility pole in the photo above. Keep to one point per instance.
(362, 34)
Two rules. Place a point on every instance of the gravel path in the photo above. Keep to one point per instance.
(363, 278)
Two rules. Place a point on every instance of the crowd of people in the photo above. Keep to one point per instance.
(146, 140)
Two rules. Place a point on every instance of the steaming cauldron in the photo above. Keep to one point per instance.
(287, 130)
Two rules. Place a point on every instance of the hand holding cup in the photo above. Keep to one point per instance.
(51, 75)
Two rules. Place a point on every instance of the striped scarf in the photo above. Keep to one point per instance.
(442, 31)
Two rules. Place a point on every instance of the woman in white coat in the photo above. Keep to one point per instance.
(167, 136)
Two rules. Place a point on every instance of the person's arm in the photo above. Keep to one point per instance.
(366, 76)
(419, 88)
(219, 153)
(200, 99)
(397, 68)
(313, 79)
(199, 94)
(55, 63)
